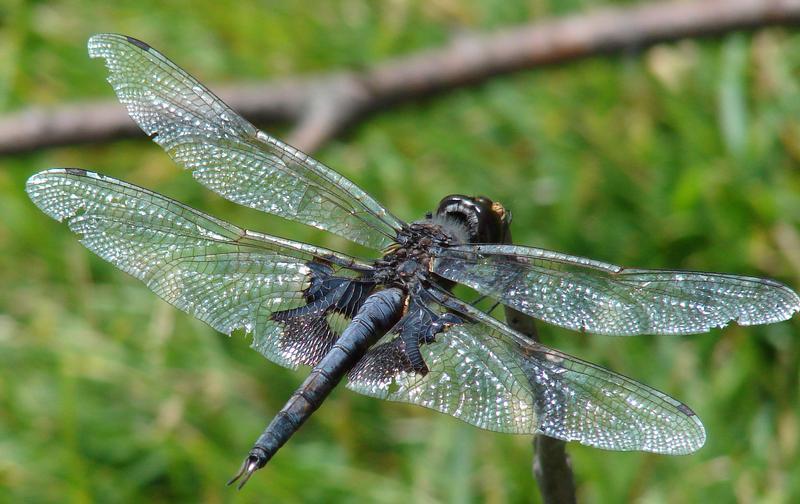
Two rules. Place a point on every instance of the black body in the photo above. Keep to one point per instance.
(405, 268)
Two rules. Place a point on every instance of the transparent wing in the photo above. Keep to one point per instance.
(225, 276)
(229, 155)
(486, 374)
(592, 296)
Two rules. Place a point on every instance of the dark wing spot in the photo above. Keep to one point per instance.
(75, 171)
(138, 43)
(686, 410)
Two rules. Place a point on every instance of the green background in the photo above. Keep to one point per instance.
(684, 155)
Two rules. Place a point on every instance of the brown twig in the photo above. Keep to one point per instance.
(321, 106)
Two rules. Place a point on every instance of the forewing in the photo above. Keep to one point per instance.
(586, 295)
(225, 276)
(229, 155)
(486, 374)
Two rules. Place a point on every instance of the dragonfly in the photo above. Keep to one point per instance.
(391, 326)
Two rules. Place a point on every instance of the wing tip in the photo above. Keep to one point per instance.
(99, 43)
(43, 176)
(786, 304)
(41, 186)
(700, 436)
(794, 304)
(38, 188)
(686, 439)
(683, 439)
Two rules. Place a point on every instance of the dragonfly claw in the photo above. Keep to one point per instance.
(255, 460)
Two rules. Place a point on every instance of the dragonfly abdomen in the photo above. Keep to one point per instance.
(379, 313)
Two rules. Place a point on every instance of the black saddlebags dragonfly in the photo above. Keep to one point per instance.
(391, 326)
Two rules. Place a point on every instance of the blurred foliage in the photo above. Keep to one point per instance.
(684, 155)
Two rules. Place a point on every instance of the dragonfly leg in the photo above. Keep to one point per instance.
(377, 315)
(438, 325)
(423, 330)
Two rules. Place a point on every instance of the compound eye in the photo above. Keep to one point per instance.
(451, 203)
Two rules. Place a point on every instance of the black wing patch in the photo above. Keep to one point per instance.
(308, 333)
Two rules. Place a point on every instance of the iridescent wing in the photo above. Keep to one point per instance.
(229, 155)
(586, 295)
(484, 373)
(277, 290)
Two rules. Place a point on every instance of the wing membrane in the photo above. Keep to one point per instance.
(225, 276)
(229, 155)
(486, 374)
(587, 295)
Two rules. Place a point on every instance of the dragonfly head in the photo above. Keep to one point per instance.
(486, 221)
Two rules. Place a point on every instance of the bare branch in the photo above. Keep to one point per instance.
(332, 105)
(553, 470)
(321, 106)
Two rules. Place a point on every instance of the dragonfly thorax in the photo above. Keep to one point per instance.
(408, 260)
(458, 220)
